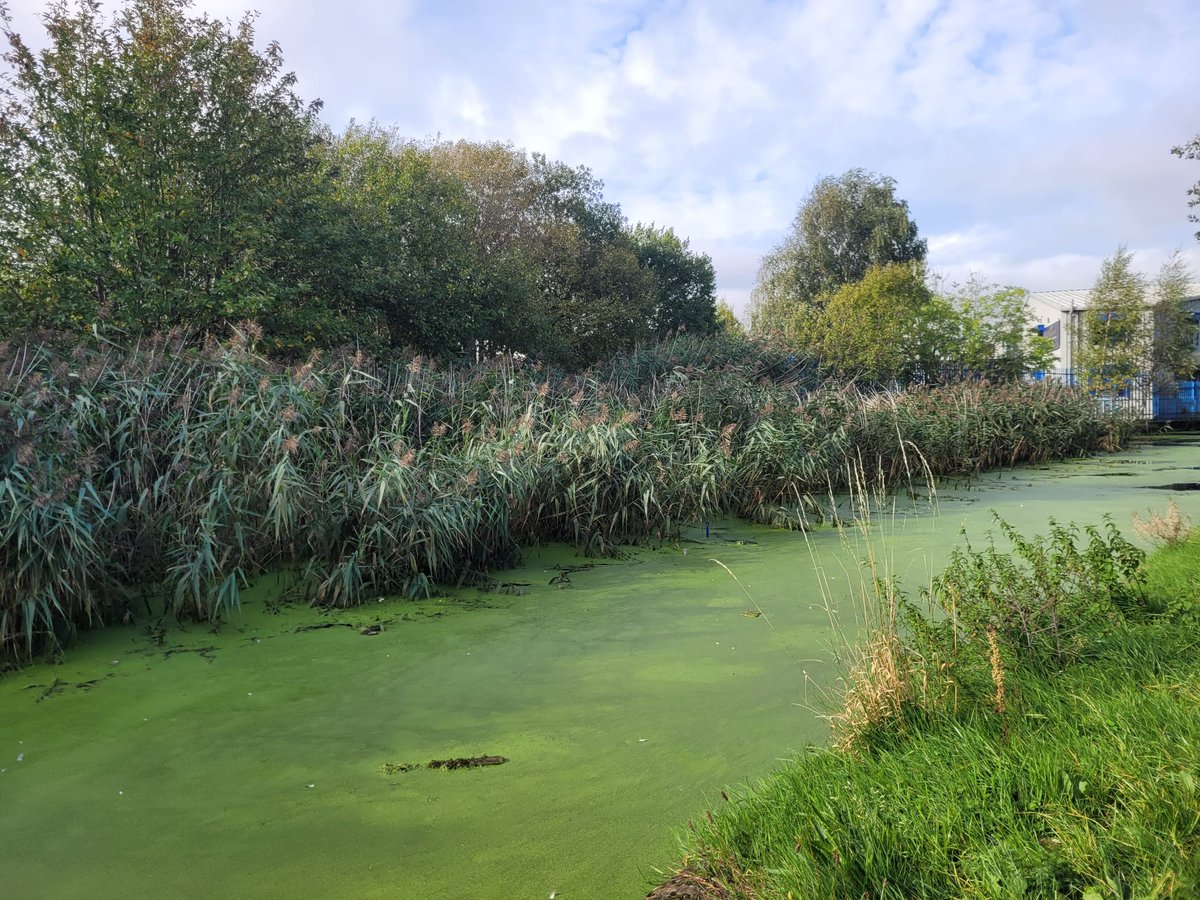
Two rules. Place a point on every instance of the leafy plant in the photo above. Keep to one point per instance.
(1043, 599)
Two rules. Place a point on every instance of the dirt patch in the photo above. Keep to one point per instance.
(687, 885)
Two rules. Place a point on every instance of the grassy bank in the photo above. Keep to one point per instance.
(156, 472)
(1042, 741)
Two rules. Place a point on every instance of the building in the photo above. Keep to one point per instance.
(1059, 316)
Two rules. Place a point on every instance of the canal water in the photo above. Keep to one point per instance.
(270, 758)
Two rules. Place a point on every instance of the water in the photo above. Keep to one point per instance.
(250, 762)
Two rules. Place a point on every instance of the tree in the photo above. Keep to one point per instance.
(886, 327)
(1114, 349)
(578, 288)
(845, 226)
(1173, 350)
(727, 321)
(403, 254)
(1191, 150)
(684, 282)
(996, 337)
(147, 162)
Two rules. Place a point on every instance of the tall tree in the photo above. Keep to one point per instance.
(995, 334)
(147, 161)
(1191, 150)
(1173, 346)
(887, 326)
(684, 281)
(844, 227)
(573, 286)
(1114, 349)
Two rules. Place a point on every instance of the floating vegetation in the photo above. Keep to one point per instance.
(462, 762)
(57, 686)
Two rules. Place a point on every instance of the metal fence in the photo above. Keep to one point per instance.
(1180, 403)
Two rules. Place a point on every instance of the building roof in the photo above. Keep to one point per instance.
(1065, 301)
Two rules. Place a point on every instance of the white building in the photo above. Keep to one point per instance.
(1059, 315)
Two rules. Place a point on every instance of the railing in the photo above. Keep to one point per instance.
(1140, 400)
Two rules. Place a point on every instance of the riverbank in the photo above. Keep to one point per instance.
(1072, 776)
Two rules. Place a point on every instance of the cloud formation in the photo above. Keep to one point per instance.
(1029, 137)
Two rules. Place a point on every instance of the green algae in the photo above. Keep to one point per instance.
(622, 702)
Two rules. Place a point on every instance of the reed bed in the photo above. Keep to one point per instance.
(156, 471)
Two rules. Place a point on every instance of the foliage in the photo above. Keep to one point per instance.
(146, 164)
(995, 336)
(1115, 346)
(401, 256)
(158, 171)
(726, 319)
(1045, 599)
(183, 473)
(887, 327)
(685, 282)
(1173, 338)
(844, 227)
(1191, 150)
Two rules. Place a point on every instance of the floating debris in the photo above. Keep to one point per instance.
(461, 762)
(751, 613)
(208, 653)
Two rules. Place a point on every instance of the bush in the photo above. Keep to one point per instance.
(1043, 600)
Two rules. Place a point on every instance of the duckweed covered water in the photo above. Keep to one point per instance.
(252, 762)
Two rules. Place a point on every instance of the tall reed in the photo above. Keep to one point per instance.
(159, 471)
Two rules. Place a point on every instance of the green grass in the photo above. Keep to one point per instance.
(1088, 785)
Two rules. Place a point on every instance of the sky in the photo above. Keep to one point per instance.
(1030, 138)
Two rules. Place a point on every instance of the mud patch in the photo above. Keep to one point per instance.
(688, 885)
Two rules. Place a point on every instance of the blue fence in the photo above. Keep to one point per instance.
(1180, 403)
(1183, 403)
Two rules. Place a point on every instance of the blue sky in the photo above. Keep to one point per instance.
(1029, 137)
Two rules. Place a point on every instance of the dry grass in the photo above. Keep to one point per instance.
(1171, 528)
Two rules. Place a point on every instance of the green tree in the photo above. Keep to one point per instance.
(996, 337)
(1114, 349)
(1191, 150)
(684, 282)
(565, 267)
(843, 228)
(886, 327)
(147, 163)
(1173, 345)
(398, 250)
(727, 321)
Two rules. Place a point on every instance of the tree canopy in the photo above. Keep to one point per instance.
(844, 227)
(887, 326)
(159, 171)
(1115, 345)
(147, 161)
